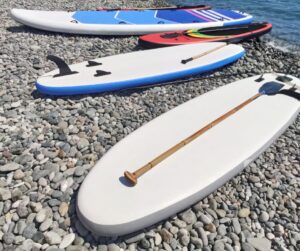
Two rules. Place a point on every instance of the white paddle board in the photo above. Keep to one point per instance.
(137, 69)
(108, 205)
(128, 22)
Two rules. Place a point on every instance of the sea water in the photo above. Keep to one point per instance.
(283, 14)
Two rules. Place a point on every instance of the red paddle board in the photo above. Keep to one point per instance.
(231, 34)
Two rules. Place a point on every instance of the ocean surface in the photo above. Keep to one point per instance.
(283, 14)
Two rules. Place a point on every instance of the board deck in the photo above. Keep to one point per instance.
(128, 22)
(138, 68)
(108, 205)
(229, 34)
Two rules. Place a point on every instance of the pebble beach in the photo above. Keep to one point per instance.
(48, 145)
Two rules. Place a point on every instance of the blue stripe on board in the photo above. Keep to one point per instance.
(179, 16)
(95, 17)
(238, 22)
(230, 13)
(142, 17)
(84, 89)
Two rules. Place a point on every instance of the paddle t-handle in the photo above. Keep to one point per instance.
(184, 61)
(269, 88)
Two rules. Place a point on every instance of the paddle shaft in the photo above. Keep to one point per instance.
(184, 61)
(189, 139)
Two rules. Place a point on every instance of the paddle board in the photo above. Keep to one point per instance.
(128, 22)
(108, 205)
(230, 34)
(136, 69)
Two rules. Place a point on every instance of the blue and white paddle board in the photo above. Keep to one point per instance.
(108, 205)
(128, 22)
(138, 68)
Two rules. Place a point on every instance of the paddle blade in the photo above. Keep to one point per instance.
(270, 88)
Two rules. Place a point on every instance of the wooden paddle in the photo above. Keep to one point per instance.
(184, 61)
(266, 89)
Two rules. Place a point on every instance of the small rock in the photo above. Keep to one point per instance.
(36, 207)
(236, 225)
(20, 226)
(167, 246)
(221, 213)
(166, 235)
(16, 194)
(270, 236)
(29, 231)
(211, 228)
(247, 247)
(9, 167)
(219, 246)
(52, 238)
(46, 224)
(42, 215)
(19, 174)
(184, 240)
(22, 211)
(261, 244)
(264, 216)
(244, 212)
(8, 238)
(38, 237)
(63, 125)
(27, 245)
(113, 247)
(205, 219)
(157, 239)
(67, 240)
(173, 230)
(180, 223)
(135, 238)
(5, 194)
(76, 248)
(222, 230)
(228, 247)
(189, 217)
(63, 209)
(79, 171)
(197, 242)
(254, 179)
(202, 235)
(144, 243)
(104, 248)
(82, 143)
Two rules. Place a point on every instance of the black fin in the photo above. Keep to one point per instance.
(261, 78)
(284, 79)
(64, 69)
(92, 63)
(100, 73)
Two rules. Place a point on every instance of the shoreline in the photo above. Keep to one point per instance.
(52, 144)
